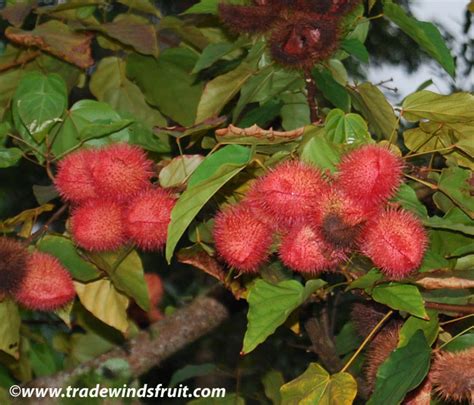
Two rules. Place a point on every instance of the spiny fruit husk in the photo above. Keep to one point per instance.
(366, 315)
(147, 218)
(301, 40)
(98, 225)
(452, 375)
(47, 286)
(304, 250)
(331, 7)
(370, 175)
(341, 219)
(241, 239)
(384, 343)
(13, 258)
(290, 191)
(74, 178)
(396, 242)
(121, 171)
(247, 19)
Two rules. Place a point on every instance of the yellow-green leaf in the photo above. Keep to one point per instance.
(106, 303)
(316, 386)
(9, 328)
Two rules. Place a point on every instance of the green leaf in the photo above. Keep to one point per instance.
(449, 221)
(295, 111)
(203, 7)
(346, 128)
(270, 305)
(44, 359)
(332, 90)
(9, 156)
(261, 115)
(454, 182)
(367, 281)
(430, 328)
(425, 34)
(92, 122)
(127, 275)
(191, 371)
(110, 85)
(104, 302)
(317, 386)
(178, 170)
(408, 199)
(375, 108)
(402, 297)
(216, 170)
(454, 108)
(272, 382)
(219, 91)
(40, 100)
(213, 52)
(462, 342)
(318, 150)
(356, 48)
(10, 328)
(230, 399)
(167, 82)
(64, 250)
(404, 370)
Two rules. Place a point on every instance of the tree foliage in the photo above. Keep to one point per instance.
(214, 112)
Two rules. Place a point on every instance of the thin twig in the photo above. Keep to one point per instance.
(47, 224)
(458, 309)
(311, 91)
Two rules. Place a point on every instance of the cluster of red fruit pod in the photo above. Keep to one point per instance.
(113, 199)
(321, 218)
(35, 280)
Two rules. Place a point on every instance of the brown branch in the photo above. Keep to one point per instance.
(457, 309)
(322, 342)
(311, 91)
(151, 347)
(44, 228)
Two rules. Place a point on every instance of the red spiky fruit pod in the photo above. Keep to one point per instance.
(336, 8)
(384, 343)
(47, 286)
(302, 40)
(13, 257)
(74, 178)
(303, 249)
(98, 225)
(370, 175)
(340, 218)
(241, 239)
(147, 218)
(248, 19)
(452, 375)
(290, 191)
(396, 242)
(121, 171)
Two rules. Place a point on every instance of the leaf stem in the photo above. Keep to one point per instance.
(367, 340)
(311, 91)
(455, 337)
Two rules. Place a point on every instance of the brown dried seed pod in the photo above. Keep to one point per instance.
(247, 19)
(13, 258)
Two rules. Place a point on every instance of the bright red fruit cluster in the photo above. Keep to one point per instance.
(113, 198)
(320, 219)
(35, 280)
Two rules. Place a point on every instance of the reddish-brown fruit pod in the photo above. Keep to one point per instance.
(396, 242)
(13, 256)
(304, 250)
(370, 175)
(248, 19)
(147, 218)
(74, 177)
(121, 171)
(290, 191)
(241, 239)
(47, 286)
(334, 8)
(98, 225)
(340, 218)
(302, 40)
(155, 288)
(384, 343)
(366, 315)
(452, 376)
